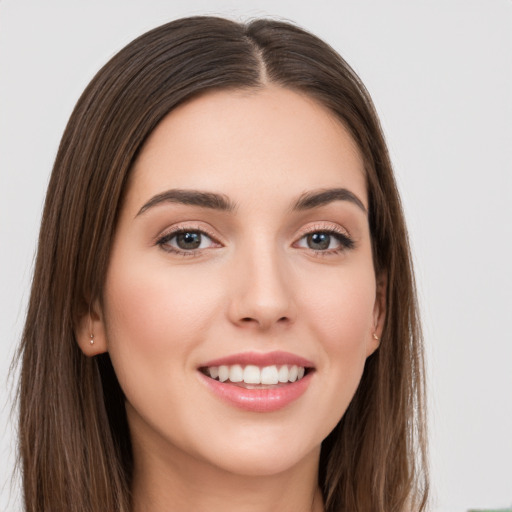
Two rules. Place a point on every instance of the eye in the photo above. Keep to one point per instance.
(186, 241)
(325, 241)
(189, 240)
(320, 241)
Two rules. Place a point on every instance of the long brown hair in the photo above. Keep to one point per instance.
(74, 441)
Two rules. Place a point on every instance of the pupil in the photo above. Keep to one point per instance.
(319, 241)
(188, 240)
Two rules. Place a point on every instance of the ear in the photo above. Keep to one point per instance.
(379, 314)
(90, 331)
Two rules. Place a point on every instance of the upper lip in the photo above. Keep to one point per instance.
(260, 359)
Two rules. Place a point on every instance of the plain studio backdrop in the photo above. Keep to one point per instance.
(440, 74)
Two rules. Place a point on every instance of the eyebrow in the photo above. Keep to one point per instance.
(316, 198)
(210, 200)
(221, 202)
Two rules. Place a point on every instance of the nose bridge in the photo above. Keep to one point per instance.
(262, 292)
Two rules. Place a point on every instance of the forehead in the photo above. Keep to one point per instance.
(270, 140)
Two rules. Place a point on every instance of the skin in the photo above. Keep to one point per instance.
(254, 285)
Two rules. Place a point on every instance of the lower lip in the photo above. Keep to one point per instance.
(259, 400)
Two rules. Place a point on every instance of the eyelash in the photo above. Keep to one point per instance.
(163, 241)
(346, 243)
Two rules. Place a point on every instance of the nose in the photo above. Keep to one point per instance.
(262, 291)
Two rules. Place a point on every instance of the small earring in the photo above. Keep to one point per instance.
(375, 337)
(91, 341)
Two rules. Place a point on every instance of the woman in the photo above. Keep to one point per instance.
(223, 311)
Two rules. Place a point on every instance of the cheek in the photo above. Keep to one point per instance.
(154, 318)
(340, 308)
(341, 318)
(153, 303)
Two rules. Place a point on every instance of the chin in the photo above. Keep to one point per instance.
(260, 450)
(262, 463)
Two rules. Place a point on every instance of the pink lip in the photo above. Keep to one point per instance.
(260, 359)
(260, 399)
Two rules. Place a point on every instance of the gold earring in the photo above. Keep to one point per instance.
(375, 337)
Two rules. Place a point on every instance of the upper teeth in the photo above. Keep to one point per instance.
(251, 374)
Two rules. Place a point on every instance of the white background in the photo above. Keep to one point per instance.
(440, 73)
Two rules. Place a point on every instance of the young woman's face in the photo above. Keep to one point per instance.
(241, 301)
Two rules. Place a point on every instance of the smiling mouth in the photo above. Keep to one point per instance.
(256, 377)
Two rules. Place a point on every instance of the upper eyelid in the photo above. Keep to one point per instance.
(185, 226)
(326, 226)
(171, 234)
(339, 234)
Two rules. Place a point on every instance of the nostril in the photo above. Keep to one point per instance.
(264, 323)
